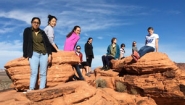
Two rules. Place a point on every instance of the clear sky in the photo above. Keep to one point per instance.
(127, 20)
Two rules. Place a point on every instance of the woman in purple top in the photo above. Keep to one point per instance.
(72, 39)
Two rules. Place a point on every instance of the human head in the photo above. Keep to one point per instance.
(89, 40)
(133, 43)
(76, 30)
(122, 45)
(78, 48)
(113, 40)
(35, 22)
(52, 20)
(150, 30)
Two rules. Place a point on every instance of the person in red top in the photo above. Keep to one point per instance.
(82, 64)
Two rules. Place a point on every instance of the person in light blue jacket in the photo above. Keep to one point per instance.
(113, 52)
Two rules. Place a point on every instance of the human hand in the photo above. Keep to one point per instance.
(49, 59)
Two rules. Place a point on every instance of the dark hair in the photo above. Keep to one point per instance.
(150, 28)
(133, 43)
(35, 18)
(78, 46)
(50, 17)
(89, 39)
(75, 27)
(112, 40)
(122, 45)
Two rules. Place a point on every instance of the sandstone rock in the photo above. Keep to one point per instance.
(61, 57)
(61, 70)
(153, 62)
(73, 93)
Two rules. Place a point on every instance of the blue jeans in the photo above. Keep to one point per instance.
(145, 49)
(38, 59)
(78, 71)
(106, 60)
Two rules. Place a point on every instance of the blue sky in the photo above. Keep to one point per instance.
(127, 20)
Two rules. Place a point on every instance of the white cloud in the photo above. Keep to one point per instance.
(100, 37)
(9, 51)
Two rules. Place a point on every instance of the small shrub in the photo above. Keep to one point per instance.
(101, 83)
(133, 91)
(120, 87)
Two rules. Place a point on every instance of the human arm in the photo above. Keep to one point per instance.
(156, 44)
(50, 34)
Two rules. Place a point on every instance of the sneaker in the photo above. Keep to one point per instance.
(103, 68)
(107, 68)
(26, 91)
(134, 58)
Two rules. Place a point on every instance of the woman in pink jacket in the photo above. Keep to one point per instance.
(72, 39)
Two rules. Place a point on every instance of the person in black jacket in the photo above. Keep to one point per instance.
(37, 49)
(89, 52)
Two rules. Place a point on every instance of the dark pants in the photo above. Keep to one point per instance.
(106, 60)
(78, 71)
(145, 49)
(89, 60)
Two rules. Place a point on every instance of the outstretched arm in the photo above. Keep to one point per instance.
(156, 44)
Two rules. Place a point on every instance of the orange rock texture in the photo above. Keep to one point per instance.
(153, 80)
(60, 71)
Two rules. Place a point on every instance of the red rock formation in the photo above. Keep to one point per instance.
(60, 71)
(74, 93)
(154, 76)
(150, 63)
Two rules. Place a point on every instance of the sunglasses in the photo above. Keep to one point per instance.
(35, 22)
(78, 48)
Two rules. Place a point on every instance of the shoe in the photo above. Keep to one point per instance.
(107, 68)
(103, 68)
(27, 91)
(134, 58)
(88, 74)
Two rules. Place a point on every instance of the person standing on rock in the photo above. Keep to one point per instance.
(70, 43)
(89, 52)
(50, 32)
(113, 52)
(151, 44)
(36, 48)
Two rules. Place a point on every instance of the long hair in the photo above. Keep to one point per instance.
(89, 39)
(69, 34)
(50, 17)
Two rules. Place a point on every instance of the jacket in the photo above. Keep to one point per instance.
(28, 42)
(117, 55)
(89, 50)
(70, 42)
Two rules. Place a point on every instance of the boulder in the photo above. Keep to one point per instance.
(73, 93)
(61, 70)
(152, 62)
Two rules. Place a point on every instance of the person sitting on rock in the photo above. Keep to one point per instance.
(151, 45)
(122, 51)
(82, 64)
(134, 47)
(70, 43)
(113, 52)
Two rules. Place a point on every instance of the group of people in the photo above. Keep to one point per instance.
(39, 44)
(113, 51)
